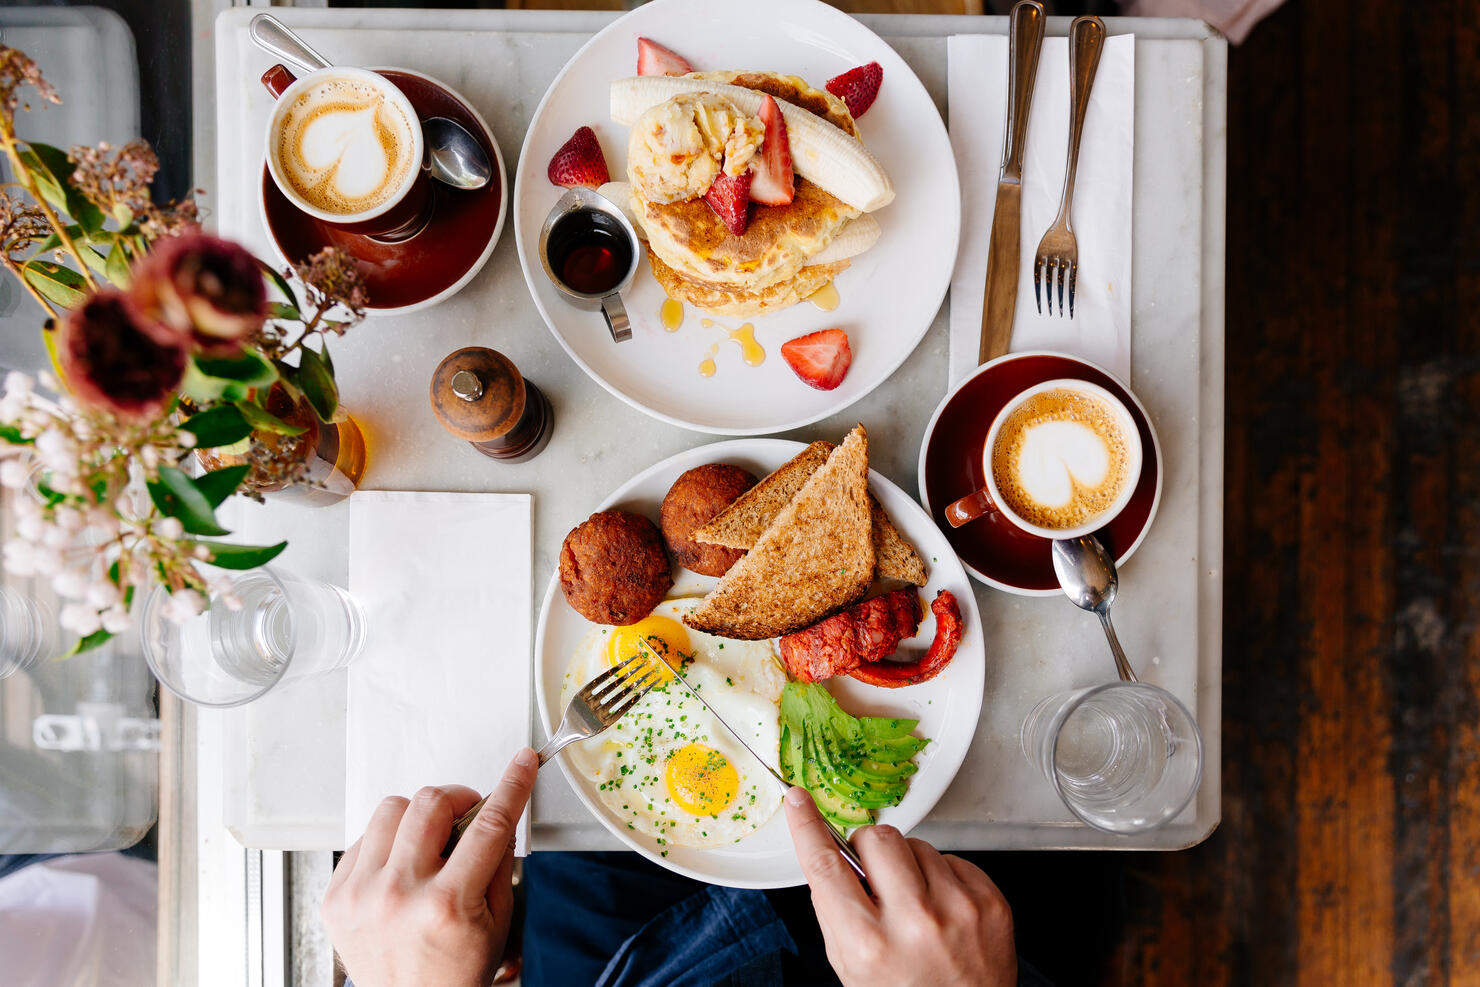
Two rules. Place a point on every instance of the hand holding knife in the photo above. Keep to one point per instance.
(1004, 255)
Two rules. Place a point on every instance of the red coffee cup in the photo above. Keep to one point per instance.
(398, 214)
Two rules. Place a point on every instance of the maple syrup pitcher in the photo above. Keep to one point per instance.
(589, 252)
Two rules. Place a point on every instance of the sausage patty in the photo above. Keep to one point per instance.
(613, 569)
(693, 500)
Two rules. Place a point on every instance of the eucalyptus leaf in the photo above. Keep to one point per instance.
(282, 285)
(117, 268)
(93, 259)
(219, 426)
(219, 484)
(246, 368)
(263, 420)
(228, 556)
(318, 384)
(177, 496)
(56, 283)
(52, 161)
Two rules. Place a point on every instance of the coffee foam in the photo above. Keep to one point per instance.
(1061, 459)
(344, 146)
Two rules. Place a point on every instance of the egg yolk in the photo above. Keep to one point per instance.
(701, 780)
(664, 635)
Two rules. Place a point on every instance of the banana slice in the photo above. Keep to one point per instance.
(827, 156)
(852, 240)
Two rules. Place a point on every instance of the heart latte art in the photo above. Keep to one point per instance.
(345, 146)
(1061, 459)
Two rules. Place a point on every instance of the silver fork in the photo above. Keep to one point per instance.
(599, 704)
(1058, 250)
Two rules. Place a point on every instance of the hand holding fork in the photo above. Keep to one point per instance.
(1058, 250)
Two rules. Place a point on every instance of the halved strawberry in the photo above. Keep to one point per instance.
(730, 200)
(654, 59)
(820, 358)
(579, 162)
(774, 183)
(858, 87)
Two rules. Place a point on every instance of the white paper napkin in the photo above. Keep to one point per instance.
(441, 693)
(977, 77)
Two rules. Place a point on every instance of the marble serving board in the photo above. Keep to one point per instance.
(282, 758)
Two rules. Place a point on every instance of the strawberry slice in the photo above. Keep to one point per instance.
(654, 59)
(579, 162)
(858, 87)
(774, 183)
(820, 358)
(730, 200)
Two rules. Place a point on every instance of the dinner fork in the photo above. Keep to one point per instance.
(599, 704)
(1058, 251)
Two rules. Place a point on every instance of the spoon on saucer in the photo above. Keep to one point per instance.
(1087, 573)
(455, 156)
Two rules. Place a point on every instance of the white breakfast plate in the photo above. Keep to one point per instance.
(889, 296)
(947, 706)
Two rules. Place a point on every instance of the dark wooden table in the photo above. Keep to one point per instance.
(1349, 851)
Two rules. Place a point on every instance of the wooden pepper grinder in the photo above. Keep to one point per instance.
(479, 395)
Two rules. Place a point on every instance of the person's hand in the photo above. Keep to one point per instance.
(933, 920)
(399, 914)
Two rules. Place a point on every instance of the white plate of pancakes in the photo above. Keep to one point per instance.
(887, 297)
(947, 706)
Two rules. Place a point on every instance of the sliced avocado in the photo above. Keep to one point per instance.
(886, 728)
(839, 810)
(895, 751)
(791, 754)
(846, 780)
(889, 771)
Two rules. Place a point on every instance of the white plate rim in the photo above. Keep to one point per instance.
(888, 493)
(525, 173)
(1161, 465)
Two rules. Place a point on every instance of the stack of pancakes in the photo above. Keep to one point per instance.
(698, 260)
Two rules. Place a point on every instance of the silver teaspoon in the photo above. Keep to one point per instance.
(1087, 573)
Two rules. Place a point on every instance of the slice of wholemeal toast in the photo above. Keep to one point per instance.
(742, 523)
(815, 558)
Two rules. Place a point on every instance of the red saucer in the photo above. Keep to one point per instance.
(991, 548)
(457, 239)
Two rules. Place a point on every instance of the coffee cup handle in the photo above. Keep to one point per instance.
(969, 508)
(277, 79)
(615, 314)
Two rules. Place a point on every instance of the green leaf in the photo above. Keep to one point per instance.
(282, 286)
(266, 421)
(246, 368)
(219, 484)
(123, 214)
(219, 426)
(12, 435)
(116, 269)
(52, 168)
(328, 360)
(278, 310)
(228, 556)
(56, 283)
(318, 384)
(177, 496)
(93, 259)
(93, 640)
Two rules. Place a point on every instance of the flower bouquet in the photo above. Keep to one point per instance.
(184, 371)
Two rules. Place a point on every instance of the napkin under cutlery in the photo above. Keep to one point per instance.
(441, 693)
(977, 79)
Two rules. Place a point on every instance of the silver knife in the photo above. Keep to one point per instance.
(1004, 255)
(846, 848)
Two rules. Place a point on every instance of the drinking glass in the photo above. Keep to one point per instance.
(287, 627)
(28, 631)
(1125, 757)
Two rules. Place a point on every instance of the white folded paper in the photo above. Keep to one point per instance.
(441, 693)
(977, 77)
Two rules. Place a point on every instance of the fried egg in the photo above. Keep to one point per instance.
(668, 768)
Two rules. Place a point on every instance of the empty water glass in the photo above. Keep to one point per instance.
(28, 631)
(1125, 757)
(273, 627)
